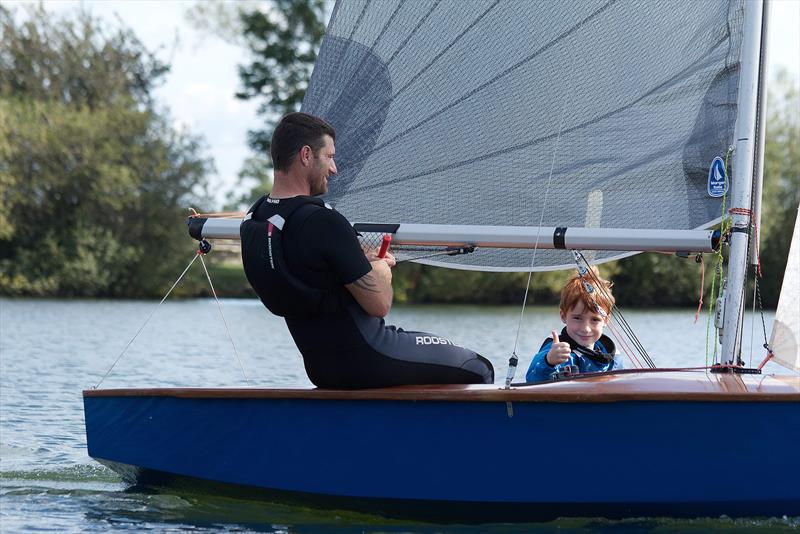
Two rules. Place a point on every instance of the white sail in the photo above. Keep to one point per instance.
(785, 339)
(600, 113)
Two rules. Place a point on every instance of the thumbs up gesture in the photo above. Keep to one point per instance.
(559, 351)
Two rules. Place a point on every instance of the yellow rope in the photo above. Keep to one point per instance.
(719, 271)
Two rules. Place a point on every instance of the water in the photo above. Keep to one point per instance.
(51, 350)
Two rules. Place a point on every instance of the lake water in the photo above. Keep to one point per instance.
(51, 350)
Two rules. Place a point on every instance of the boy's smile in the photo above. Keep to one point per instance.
(583, 325)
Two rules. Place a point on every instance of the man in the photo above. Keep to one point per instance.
(305, 262)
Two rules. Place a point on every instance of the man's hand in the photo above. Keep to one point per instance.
(372, 257)
(559, 351)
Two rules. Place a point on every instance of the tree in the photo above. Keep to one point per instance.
(283, 42)
(94, 182)
(282, 38)
(781, 191)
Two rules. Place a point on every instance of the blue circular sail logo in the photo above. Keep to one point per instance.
(717, 179)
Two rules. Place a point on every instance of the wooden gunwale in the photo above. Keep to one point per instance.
(668, 386)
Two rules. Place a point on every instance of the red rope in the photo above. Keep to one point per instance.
(770, 355)
(740, 211)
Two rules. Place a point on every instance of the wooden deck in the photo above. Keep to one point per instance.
(675, 386)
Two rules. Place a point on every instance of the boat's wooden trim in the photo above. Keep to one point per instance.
(668, 386)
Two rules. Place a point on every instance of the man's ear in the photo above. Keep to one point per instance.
(306, 154)
(563, 316)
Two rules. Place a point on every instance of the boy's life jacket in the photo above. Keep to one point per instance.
(265, 264)
(598, 357)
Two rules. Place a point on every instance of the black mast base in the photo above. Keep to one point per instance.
(735, 369)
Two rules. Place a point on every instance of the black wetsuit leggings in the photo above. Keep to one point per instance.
(354, 350)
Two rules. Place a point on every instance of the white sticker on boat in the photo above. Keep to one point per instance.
(717, 179)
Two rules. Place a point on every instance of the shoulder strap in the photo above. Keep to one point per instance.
(298, 213)
(255, 206)
(281, 213)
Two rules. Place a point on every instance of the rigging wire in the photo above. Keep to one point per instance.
(451, 251)
(124, 350)
(204, 248)
(623, 323)
(753, 321)
(227, 330)
(514, 359)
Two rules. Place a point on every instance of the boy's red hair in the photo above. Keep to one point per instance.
(575, 292)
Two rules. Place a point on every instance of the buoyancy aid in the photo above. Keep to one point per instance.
(599, 357)
(265, 264)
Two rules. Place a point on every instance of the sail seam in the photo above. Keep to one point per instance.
(354, 79)
(365, 90)
(520, 146)
(500, 76)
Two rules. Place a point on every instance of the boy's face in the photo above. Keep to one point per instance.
(583, 325)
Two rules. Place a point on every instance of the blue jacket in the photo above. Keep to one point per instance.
(540, 370)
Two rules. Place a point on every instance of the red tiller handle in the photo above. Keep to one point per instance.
(387, 239)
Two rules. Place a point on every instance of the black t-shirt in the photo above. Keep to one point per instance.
(323, 251)
(345, 347)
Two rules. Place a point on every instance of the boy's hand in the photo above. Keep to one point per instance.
(559, 351)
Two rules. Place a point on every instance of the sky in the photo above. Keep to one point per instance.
(199, 90)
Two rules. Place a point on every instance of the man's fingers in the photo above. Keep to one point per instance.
(555, 336)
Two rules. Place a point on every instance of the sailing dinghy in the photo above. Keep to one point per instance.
(523, 131)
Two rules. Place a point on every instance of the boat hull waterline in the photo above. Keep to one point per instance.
(558, 449)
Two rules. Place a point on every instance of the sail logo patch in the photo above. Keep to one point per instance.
(717, 179)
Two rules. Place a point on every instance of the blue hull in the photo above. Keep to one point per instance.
(551, 458)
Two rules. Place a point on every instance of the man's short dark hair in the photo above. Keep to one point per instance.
(293, 132)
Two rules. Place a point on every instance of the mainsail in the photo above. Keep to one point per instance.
(600, 114)
(785, 340)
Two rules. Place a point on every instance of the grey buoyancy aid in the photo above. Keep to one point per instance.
(265, 264)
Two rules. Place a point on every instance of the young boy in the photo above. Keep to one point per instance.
(581, 342)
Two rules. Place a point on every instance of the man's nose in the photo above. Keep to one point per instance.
(333, 167)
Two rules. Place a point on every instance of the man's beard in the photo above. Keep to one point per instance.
(319, 186)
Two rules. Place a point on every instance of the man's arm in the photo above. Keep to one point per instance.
(373, 291)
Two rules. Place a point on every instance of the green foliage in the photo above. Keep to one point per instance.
(422, 284)
(648, 280)
(74, 62)
(256, 173)
(781, 192)
(282, 38)
(283, 42)
(93, 181)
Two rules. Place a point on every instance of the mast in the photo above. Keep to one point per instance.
(758, 163)
(745, 136)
